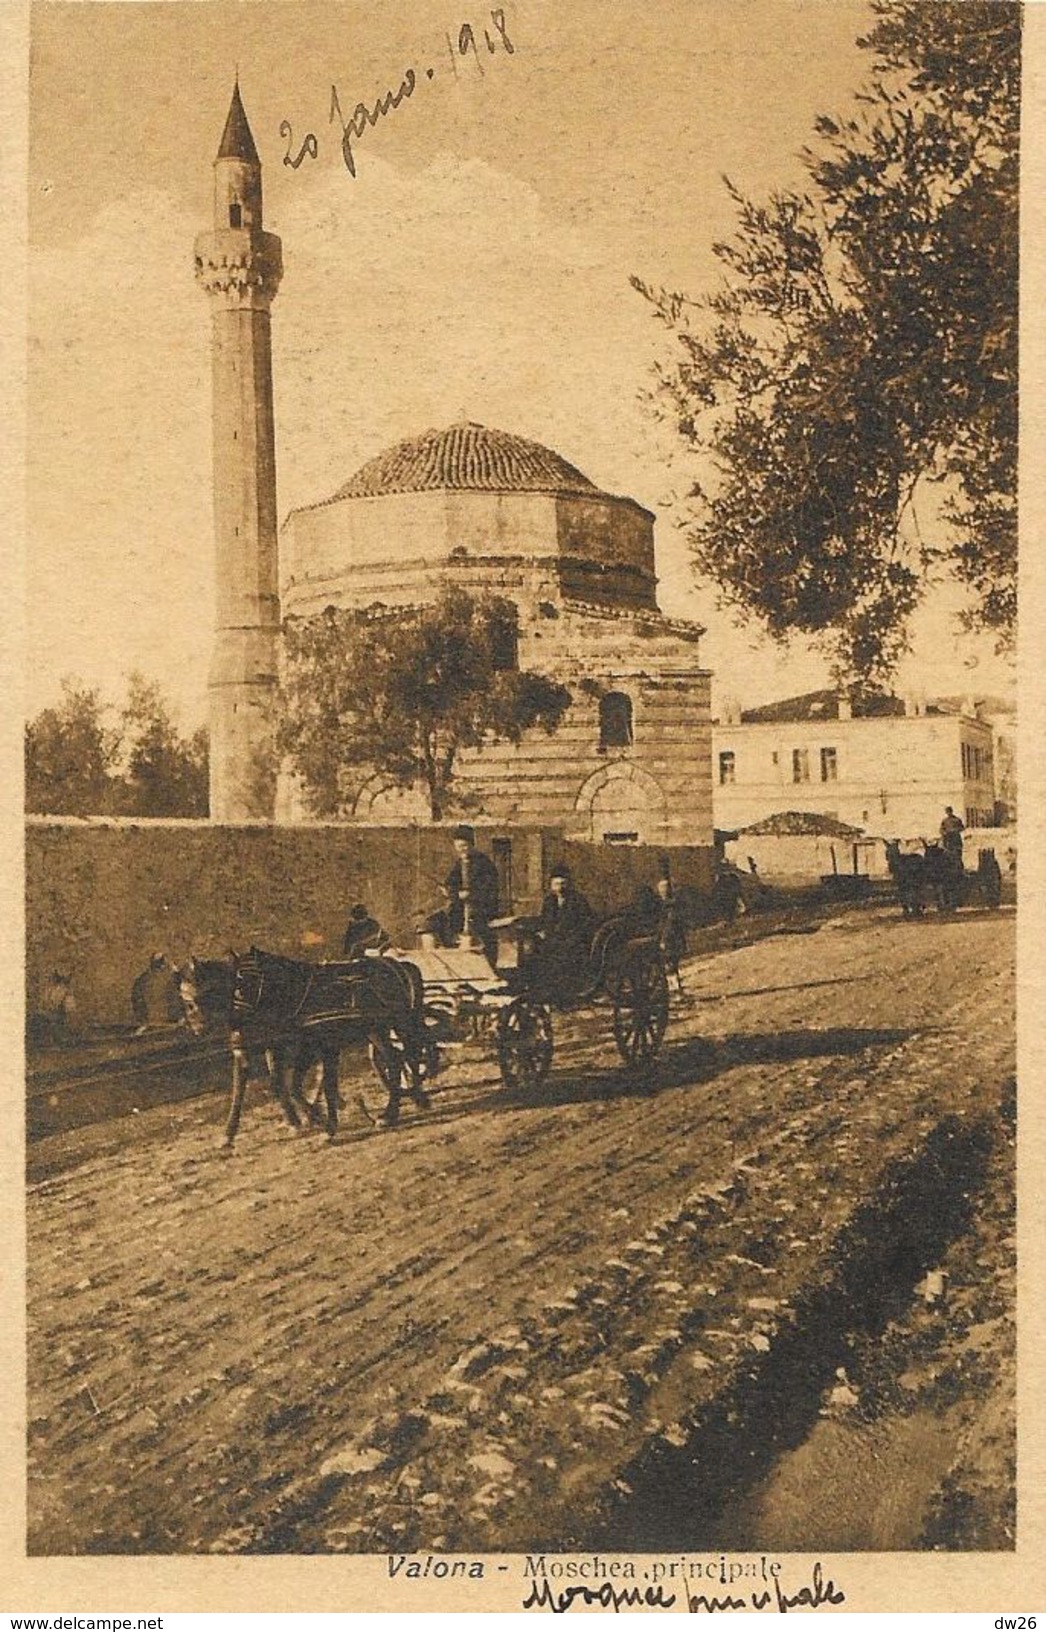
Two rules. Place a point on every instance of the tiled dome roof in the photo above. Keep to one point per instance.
(466, 456)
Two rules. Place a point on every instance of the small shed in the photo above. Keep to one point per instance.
(804, 846)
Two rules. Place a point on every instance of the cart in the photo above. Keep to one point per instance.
(624, 978)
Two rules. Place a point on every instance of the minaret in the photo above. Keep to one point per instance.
(239, 266)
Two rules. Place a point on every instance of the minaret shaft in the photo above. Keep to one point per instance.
(244, 451)
(239, 266)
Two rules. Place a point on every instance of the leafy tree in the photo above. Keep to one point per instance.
(166, 774)
(861, 348)
(79, 764)
(403, 693)
(70, 755)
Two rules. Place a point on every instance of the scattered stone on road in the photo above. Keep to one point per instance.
(484, 1329)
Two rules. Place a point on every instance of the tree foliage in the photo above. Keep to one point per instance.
(165, 774)
(71, 755)
(83, 758)
(402, 694)
(861, 346)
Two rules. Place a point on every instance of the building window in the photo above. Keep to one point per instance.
(829, 765)
(235, 215)
(505, 646)
(501, 853)
(727, 767)
(800, 765)
(615, 721)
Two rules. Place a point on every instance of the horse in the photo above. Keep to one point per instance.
(910, 876)
(946, 876)
(205, 987)
(315, 1010)
(955, 886)
(287, 1016)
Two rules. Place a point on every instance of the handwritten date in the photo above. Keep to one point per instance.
(366, 115)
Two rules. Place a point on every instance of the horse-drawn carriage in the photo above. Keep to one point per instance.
(621, 971)
(936, 873)
(290, 1020)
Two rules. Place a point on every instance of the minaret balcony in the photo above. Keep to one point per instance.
(237, 262)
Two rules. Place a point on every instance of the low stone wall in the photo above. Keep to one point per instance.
(102, 895)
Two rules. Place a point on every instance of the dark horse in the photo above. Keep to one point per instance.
(285, 1017)
(909, 874)
(954, 885)
(945, 876)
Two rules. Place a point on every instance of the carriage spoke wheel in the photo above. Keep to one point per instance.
(391, 1060)
(641, 1009)
(524, 1044)
(389, 1065)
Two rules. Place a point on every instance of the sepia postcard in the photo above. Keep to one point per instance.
(521, 779)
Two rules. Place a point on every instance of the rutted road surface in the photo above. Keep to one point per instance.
(509, 1325)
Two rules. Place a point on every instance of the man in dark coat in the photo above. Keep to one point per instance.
(566, 928)
(155, 999)
(471, 889)
(952, 829)
(671, 928)
(364, 934)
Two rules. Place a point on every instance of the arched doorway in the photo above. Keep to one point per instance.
(622, 804)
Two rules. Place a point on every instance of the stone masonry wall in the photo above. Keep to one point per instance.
(102, 895)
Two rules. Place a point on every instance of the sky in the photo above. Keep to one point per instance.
(477, 267)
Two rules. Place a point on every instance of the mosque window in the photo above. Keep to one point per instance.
(505, 646)
(615, 720)
(727, 767)
(236, 214)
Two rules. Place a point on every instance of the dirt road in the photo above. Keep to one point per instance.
(511, 1325)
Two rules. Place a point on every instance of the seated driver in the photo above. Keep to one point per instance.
(566, 927)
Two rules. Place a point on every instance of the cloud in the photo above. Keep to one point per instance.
(410, 299)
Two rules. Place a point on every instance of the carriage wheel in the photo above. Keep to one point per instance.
(641, 1008)
(392, 1061)
(388, 1060)
(524, 1044)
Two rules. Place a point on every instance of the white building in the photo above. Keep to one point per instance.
(887, 766)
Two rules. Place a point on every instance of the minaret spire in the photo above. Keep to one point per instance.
(239, 266)
(237, 141)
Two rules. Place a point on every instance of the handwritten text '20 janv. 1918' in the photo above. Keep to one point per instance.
(367, 114)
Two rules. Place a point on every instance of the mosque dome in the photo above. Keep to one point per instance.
(479, 507)
(466, 458)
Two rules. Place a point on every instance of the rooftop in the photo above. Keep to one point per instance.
(467, 457)
(237, 141)
(799, 824)
(824, 705)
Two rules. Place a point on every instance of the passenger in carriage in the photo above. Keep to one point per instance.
(671, 927)
(952, 829)
(566, 928)
(364, 934)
